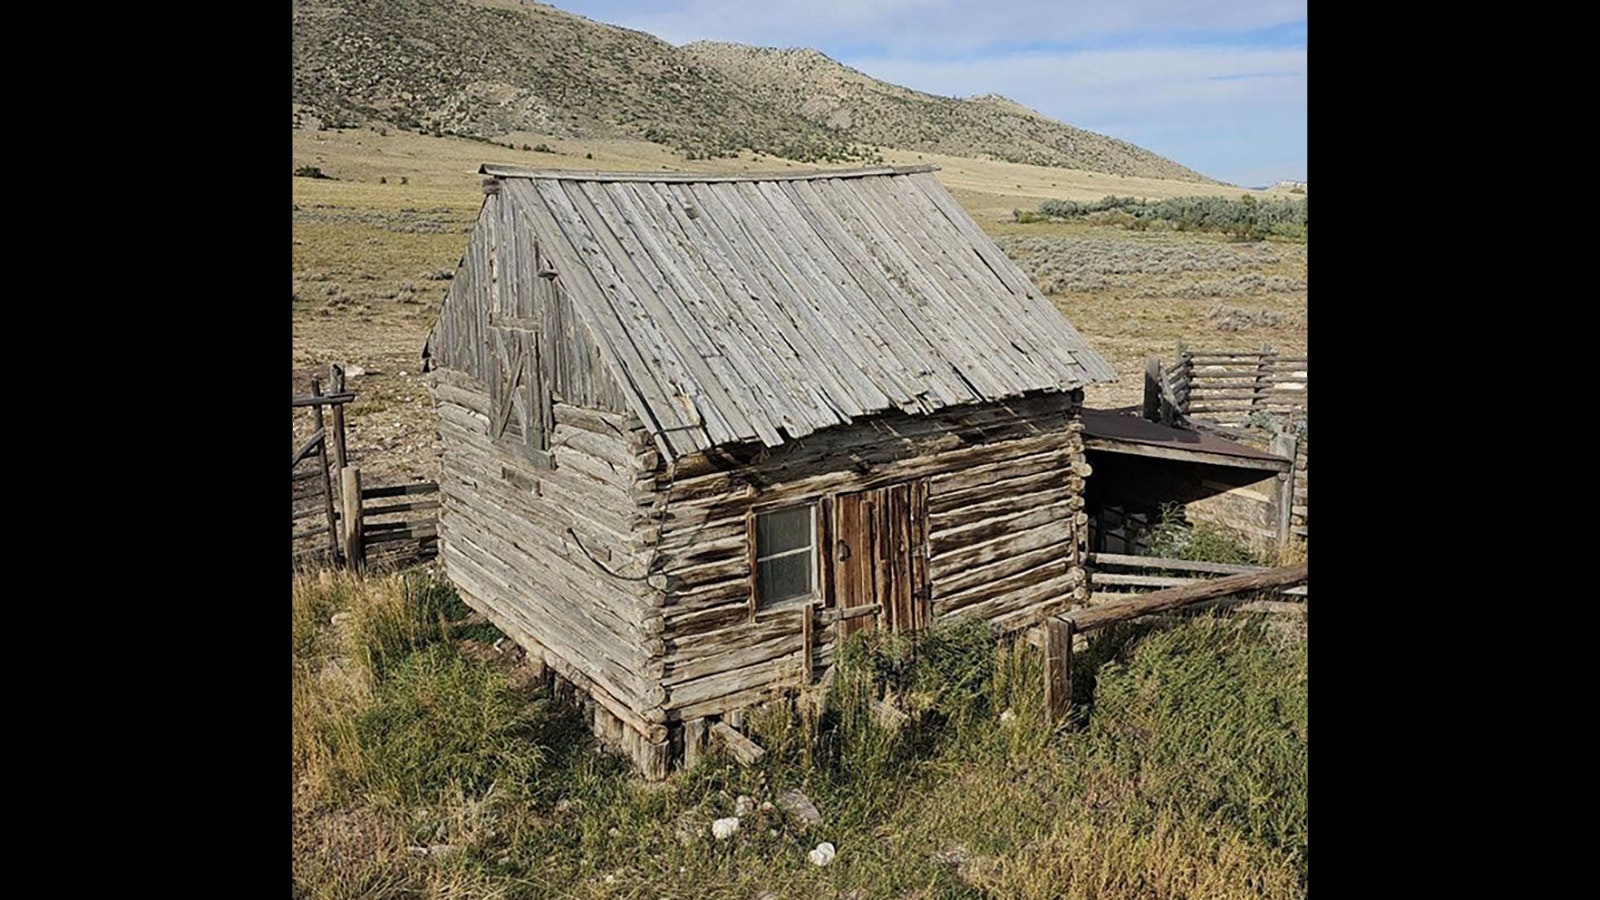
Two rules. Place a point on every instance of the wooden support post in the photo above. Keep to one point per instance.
(350, 494)
(694, 742)
(1152, 389)
(1057, 669)
(336, 382)
(1285, 444)
(746, 751)
(806, 647)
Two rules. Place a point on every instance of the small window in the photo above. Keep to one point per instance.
(786, 557)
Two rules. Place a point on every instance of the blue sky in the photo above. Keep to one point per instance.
(1217, 85)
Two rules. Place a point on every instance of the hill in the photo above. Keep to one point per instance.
(811, 85)
(487, 68)
(484, 69)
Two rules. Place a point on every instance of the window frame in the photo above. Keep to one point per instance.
(757, 602)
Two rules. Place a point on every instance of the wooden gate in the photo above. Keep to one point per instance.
(881, 557)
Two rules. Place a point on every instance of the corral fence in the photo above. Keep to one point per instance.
(338, 521)
(1255, 396)
(1204, 584)
(1226, 388)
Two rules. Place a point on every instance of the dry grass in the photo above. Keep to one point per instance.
(424, 766)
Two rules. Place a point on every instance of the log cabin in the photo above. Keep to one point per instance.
(696, 430)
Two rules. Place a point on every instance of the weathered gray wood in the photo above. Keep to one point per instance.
(307, 449)
(1057, 669)
(1158, 562)
(498, 170)
(336, 383)
(695, 735)
(350, 494)
(377, 492)
(1178, 597)
(323, 400)
(744, 750)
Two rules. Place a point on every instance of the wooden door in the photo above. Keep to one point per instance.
(880, 556)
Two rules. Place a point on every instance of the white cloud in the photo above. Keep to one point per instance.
(937, 26)
(1183, 78)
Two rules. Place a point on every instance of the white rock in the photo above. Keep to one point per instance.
(722, 829)
(339, 618)
(1007, 717)
(354, 372)
(744, 806)
(822, 855)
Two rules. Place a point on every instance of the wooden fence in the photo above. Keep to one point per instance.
(1054, 636)
(1116, 576)
(1224, 387)
(337, 520)
(1226, 391)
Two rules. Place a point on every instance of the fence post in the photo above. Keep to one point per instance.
(350, 494)
(327, 479)
(1285, 444)
(336, 384)
(1057, 669)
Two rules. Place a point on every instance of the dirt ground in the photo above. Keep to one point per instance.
(376, 242)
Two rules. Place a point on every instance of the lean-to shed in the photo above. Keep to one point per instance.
(697, 429)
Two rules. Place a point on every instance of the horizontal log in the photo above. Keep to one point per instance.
(325, 400)
(519, 629)
(311, 532)
(1157, 562)
(398, 490)
(746, 751)
(1179, 597)
(1110, 578)
(392, 508)
(412, 533)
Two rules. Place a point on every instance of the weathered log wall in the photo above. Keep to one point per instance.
(1005, 536)
(556, 557)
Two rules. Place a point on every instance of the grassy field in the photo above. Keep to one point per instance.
(429, 763)
(375, 241)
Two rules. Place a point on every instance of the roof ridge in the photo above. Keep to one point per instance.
(504, 171)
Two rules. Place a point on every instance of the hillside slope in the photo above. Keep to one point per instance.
(483, 69)
(811, 85)
(486, 68)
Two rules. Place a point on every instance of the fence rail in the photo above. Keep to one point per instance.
(1054, 636)
(360, 525)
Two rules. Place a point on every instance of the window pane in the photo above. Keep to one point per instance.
(784, 529)
(785, 577)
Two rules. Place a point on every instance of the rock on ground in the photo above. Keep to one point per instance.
(800, 806)
(722, 829)
(823, 854)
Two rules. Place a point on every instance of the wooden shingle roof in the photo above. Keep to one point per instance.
(745, 308)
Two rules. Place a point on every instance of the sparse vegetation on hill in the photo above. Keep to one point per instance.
(1247, 218)
(429, 762)
(482, 69)
(809, 84)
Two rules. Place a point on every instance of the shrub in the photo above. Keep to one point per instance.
(311, 172)
(1246, 218)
